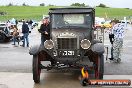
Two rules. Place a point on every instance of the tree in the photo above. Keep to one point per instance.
(102, 5)
(24, 4)
(10, 4)
(42, 4)
(83, 5)
(78, 4)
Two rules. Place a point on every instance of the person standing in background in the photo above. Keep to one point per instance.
(15, 34)
(45, 30)
(8, 24)
(118, 31)
(25, 31)
(16, 23)
(30, 25)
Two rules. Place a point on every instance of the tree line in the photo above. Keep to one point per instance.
(73, 4)
(24, 4)
(84, 5)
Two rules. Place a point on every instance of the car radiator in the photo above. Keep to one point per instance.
(67, 43)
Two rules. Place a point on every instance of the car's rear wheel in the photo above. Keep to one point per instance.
(99, 67)
(36, 69)
(2, 37)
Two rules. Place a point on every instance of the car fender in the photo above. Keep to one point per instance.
(34, 50)
(98, 48)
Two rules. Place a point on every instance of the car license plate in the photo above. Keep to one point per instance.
(68, 53)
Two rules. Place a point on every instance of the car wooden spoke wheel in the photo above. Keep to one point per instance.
(99, 68)
(36, 69)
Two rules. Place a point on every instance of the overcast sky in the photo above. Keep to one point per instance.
(109, 3)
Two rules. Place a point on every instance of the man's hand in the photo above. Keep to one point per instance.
(46, 32)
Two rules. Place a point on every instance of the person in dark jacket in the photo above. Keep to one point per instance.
(45, 30)
(30, 25)
(25, 31)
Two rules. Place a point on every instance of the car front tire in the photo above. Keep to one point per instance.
(36, 69)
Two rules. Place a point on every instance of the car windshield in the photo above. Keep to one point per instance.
(71, 21)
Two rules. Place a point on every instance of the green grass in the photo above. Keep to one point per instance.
(23, 12)
(36, 12)
(113, 12)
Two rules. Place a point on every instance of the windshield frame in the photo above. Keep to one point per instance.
(86, 25)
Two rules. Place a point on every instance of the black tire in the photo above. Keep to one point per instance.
(7, 39)
(99, 69)
(101, 73)
(2, 37)
(36, 69)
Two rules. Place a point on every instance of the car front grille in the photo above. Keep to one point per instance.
(67, 43)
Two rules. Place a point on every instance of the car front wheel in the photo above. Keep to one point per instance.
(99, 68)
(36, 69)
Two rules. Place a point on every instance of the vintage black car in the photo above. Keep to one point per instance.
(72, 44)
(4, 33)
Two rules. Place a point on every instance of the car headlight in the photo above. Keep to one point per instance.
(48, 44)
(85, 44)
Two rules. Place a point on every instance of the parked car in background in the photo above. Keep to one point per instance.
(106, 24)
(102, 23)
(5, 34)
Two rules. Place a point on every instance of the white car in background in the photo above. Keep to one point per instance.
(5, 34)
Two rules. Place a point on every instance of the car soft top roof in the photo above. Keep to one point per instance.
(71, 10)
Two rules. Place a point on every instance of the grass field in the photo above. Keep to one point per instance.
(36, 12)
(113, 12)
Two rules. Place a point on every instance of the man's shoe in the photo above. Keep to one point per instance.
(27, 45)
(115, 60)
(22, 45)
(118, 60)
(111, 58)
